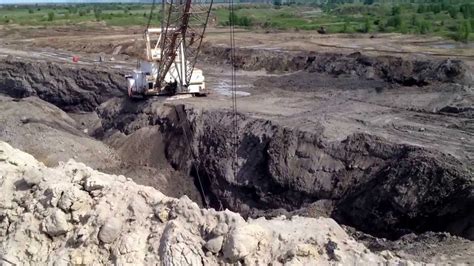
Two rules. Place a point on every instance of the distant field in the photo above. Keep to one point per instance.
(449, 18)
(111, 14)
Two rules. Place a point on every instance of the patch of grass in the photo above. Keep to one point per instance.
(448, 18)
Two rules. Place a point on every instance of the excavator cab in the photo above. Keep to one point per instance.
(165, 52)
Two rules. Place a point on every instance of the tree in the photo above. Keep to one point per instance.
(463, 31)
(421, 9)
(50, 16)
(467, 10)
(395, 21)
(423, 27)
(97, 13)
(396, 10)
(414, 20)
(382, 27)
(366, 27)
(435, 8)
(453, 12)
(345, 27)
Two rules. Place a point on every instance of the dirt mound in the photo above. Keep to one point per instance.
(50, 134)
(69, 87)
(75, 215)
(387, 68)
(383, 188)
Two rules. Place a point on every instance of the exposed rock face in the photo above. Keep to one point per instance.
(68, 87)
(119, 222)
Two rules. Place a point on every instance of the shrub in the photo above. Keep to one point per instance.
(414, 20)
(424, 27)
(366, 26)
(396, 10)
(435, 8)
(97, 14)
(382, 27)
(453, 12)
(243, 21)
(50, 16)
(395, 21)
(463, 31)
(421, 9)
(345, 27)
(467, 10)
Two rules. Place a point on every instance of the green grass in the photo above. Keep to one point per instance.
(453, 20)
(112, 15)
(351, 18)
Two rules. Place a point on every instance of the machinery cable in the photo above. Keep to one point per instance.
(195, 163)
(151, 14)
(235, 130)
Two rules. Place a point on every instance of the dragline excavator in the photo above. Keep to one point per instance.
(172, 50)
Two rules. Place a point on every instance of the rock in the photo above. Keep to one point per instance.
(387, 254)
(56, 224)
(117, 50)
(24, 119)
(370, 73)
(243, 241)
(95, 183)
(220, 229)
(214, 245)
(4, 224)
(110, 230)
(331, 247)
(32, 176)
(120, 227)
(162, 214)
(177, 246)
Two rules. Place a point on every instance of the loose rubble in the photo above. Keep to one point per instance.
(72, 214)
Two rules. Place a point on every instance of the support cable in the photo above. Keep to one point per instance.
(196, 163)
(151, 15)
(235, 129)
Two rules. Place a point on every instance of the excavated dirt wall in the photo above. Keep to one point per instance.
(365, 181)
(379, 187)
(387, 68)
(69, 87)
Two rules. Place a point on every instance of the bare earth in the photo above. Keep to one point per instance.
(332, 106)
